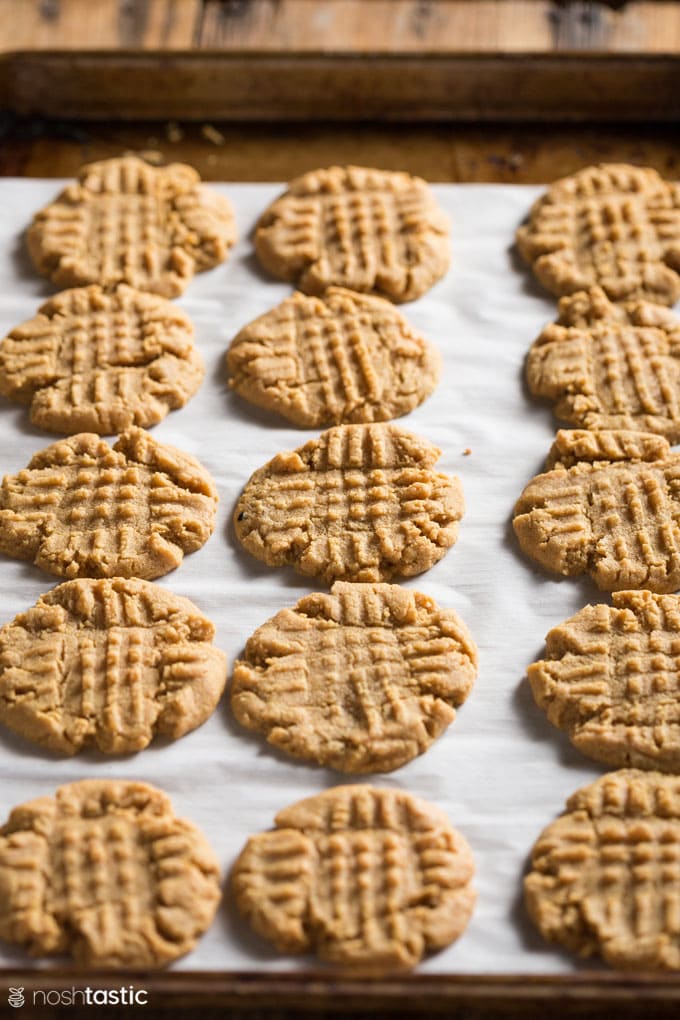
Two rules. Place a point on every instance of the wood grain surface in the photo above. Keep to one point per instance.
(358, 26)
(494, 153)
(594, 995)
(341, 60)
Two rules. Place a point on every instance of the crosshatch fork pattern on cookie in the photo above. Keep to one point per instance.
(99, 361)
(106, 872)
(369, 230)
(611, 679)
(374, 878)
(613, 515)
(614, 225)
(362, 679)
(610, 366)
(108, 662)
(361, 503)
(82, 508)
(342, 358)
(605, 876)
(126, 221)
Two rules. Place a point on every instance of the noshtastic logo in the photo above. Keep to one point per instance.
(16, 997)
(126, 995)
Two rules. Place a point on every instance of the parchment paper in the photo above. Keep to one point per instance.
(501, 771)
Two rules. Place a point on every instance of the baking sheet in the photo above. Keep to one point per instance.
(501, 771)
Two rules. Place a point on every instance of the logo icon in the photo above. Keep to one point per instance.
(16, 997)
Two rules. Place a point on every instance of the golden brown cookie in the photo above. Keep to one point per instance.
(571, 446)
(609, 508)
(124, 221)
(369, 878)
(374, 231)
(611, 680)
(105, 872)
(361, 680)
(340, 358)
(605, 875)
(92, 361)
(360, 503)
(609, 366)
(110, 663)
(83, 509)
(612, 225)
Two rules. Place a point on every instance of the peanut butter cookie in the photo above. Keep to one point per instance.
(373, 231)
(360, 503)
(336, 359)
(124, 221)
(609, 508)
(92, 361)
(611, 679)
(105, 872)
(362, 679)
(612, 225)
(368, 878)
(83, 509)
(604, 876)
(110, 663)
(610, 366)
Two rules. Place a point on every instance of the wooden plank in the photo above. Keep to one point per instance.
(517, 154)
(99, 24)
(341, 86)
(407, 26)
(594, 994)
(647, 28)
(349, 26)
(404, 26)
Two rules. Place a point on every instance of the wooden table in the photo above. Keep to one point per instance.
(519, 91)
(443, 88)
(501, 153)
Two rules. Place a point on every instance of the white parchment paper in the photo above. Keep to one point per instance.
(501, 771)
